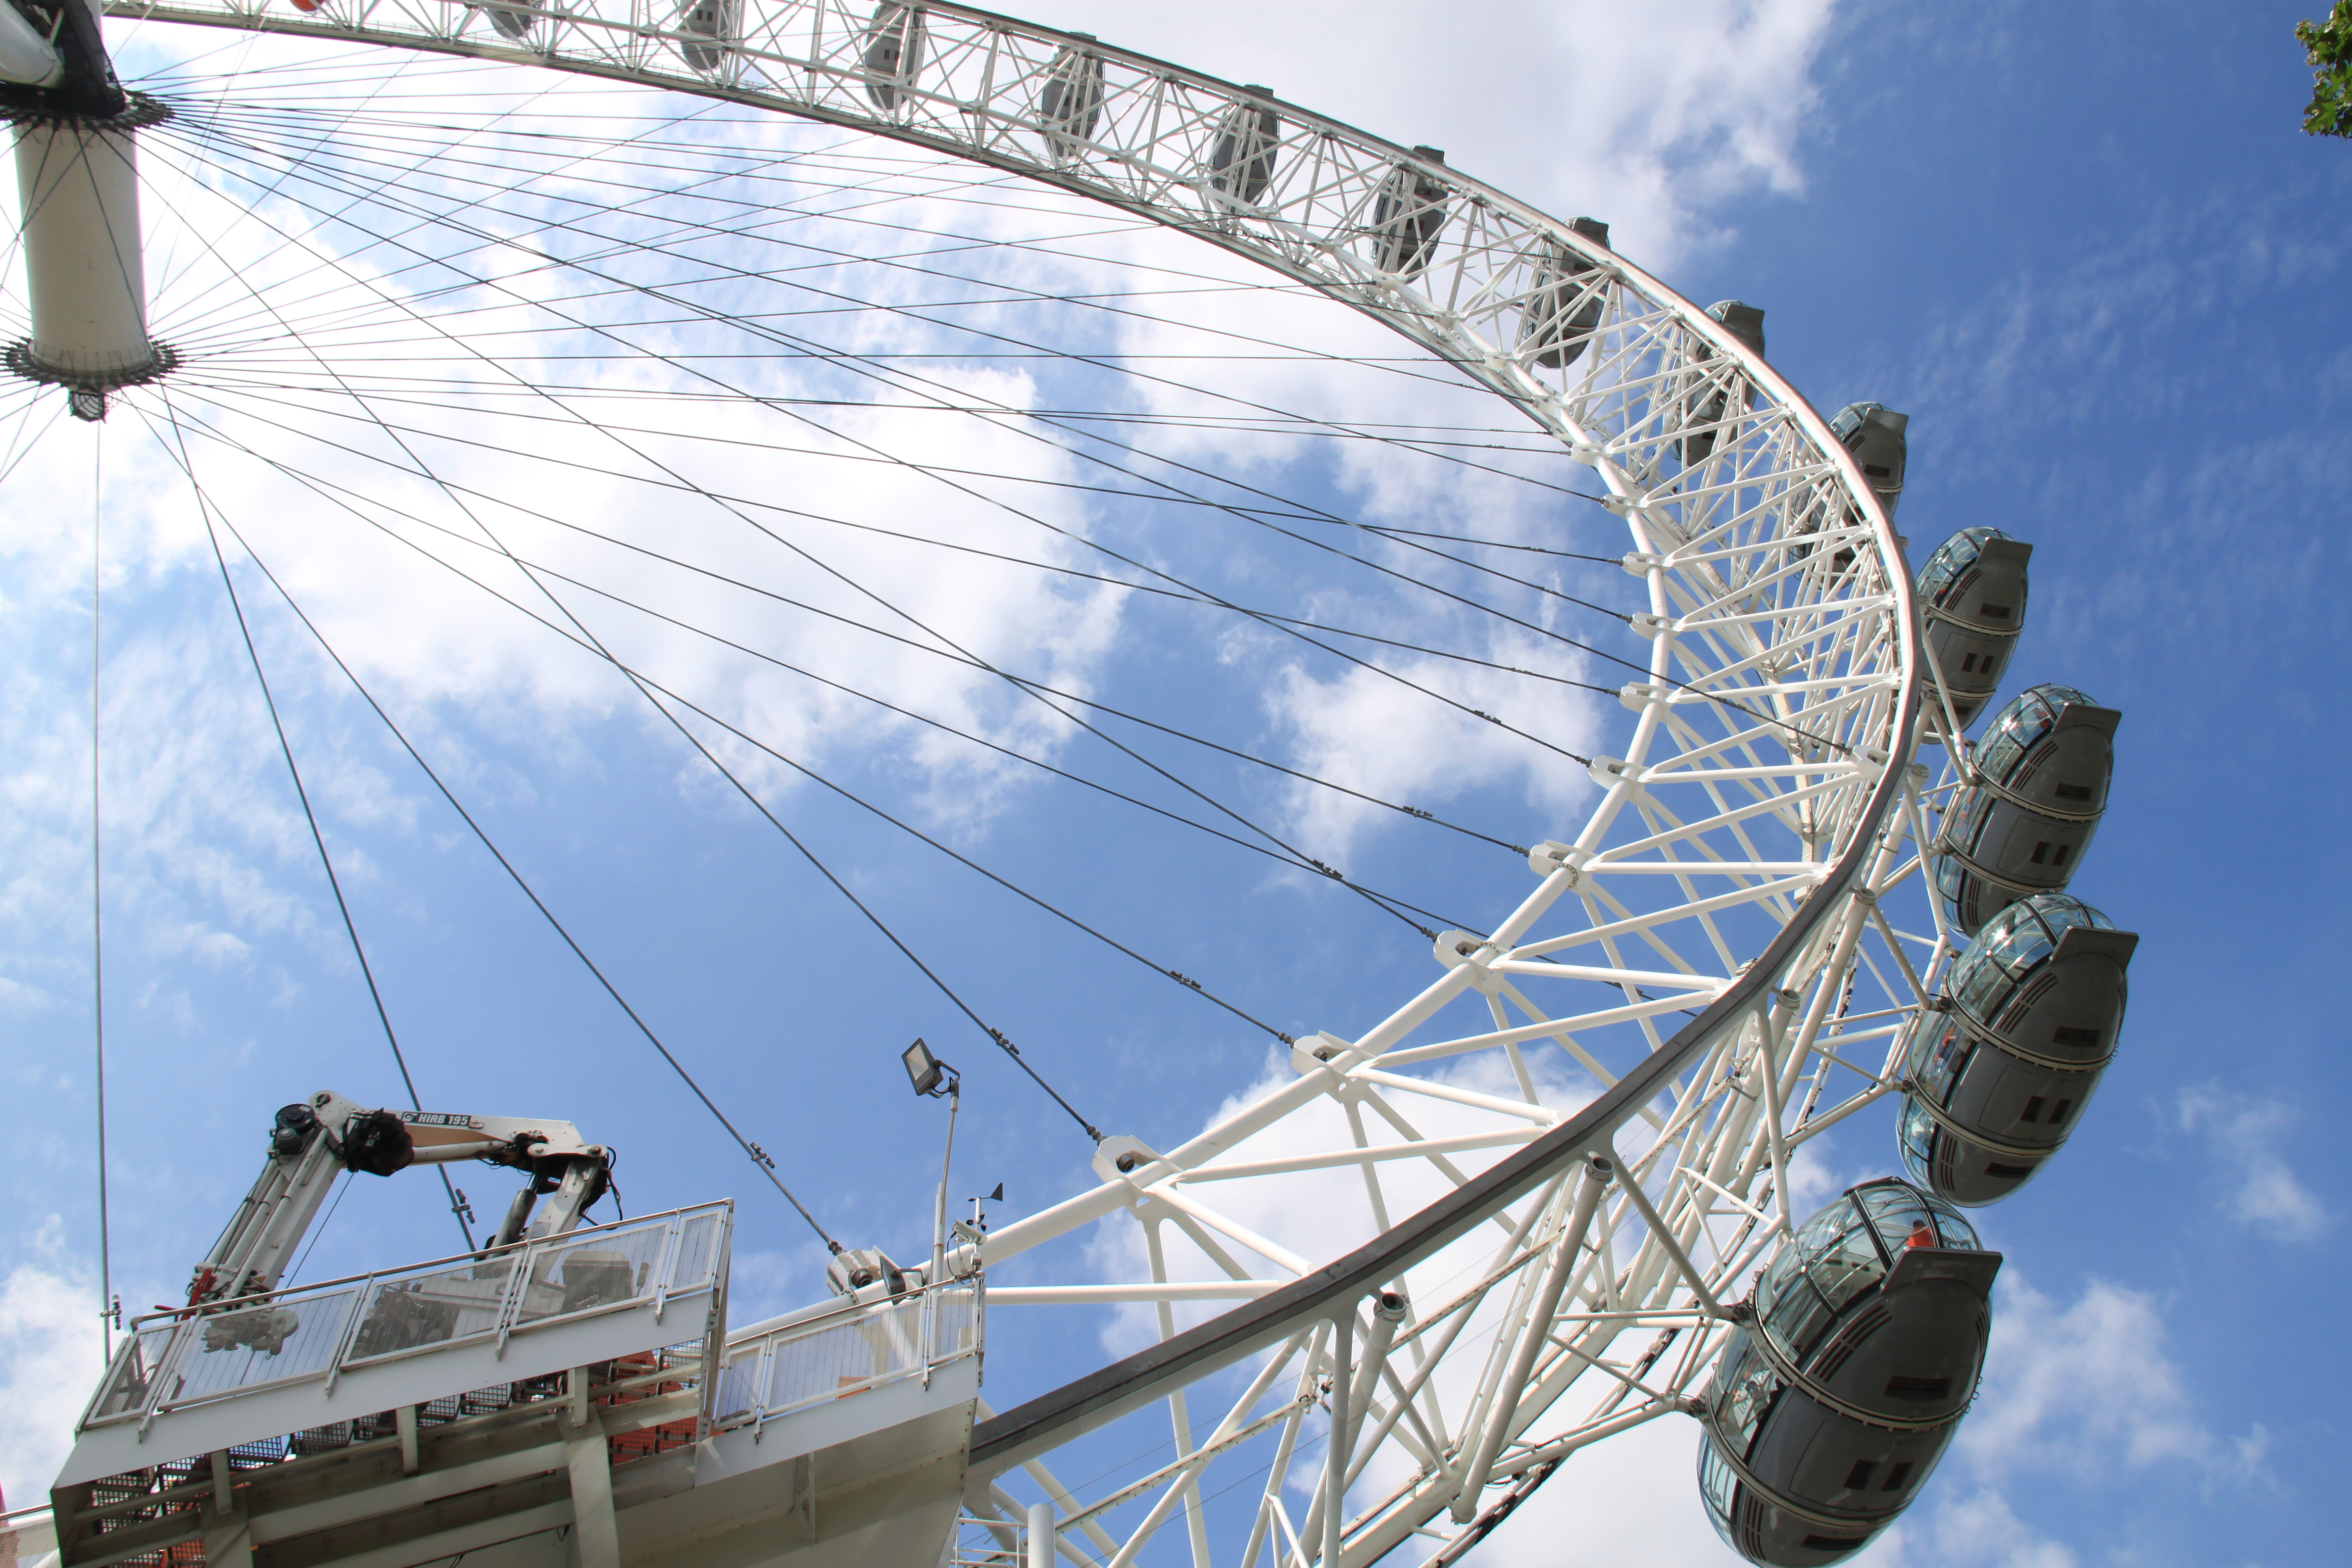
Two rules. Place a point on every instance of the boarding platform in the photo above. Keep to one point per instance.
(578, 1402)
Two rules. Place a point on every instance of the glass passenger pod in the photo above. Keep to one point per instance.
(720, 21)
(517, 24)
(1830, 1406)
(1972, 596)
(1240, 158)
(1874, 433)
(1565, 300)
(1704, 410)
(1069, 104)
(1407, 215)
(893, 52)
(2042, 772)
(1999, 1080)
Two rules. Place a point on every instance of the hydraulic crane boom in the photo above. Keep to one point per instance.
(313, 1139)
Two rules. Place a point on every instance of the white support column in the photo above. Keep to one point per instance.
(78, 185)
(229, 1541)
(1335, 1464)
(1040, 1552)
(1533, 1330)
(228, 1533)
(597, 1540)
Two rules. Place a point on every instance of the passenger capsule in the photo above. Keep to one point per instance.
(1407, 215)
(1241, 160)
(1069, 105)
(1707, 406)
(516, 25)
(2001, 1076)
(2042, 771)
(720, 21)
(1832, 1402)
(893, 54)
(1564, 304)
(1873, 434)
(1973, 595)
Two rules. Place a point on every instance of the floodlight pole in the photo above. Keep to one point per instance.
(946, 1161)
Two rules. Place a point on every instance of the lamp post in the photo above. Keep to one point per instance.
(933, 1077)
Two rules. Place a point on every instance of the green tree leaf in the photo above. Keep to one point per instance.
(2328, 45)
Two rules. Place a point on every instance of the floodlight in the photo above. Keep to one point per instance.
(924, 1070)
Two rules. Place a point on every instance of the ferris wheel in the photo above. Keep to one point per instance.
(1540, 1194)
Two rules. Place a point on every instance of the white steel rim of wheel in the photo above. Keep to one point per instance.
(1710, 946)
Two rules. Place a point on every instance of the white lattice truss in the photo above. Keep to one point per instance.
(1710, 948)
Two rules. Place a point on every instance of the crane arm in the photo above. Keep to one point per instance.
(313, 1140)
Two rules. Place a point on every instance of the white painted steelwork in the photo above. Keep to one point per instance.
(25, 57)
(78, 190)
(1708, 947)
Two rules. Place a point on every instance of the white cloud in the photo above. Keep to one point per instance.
(1365, 730)
(49, 1362)
(2244, 1131)
(1645, 116)
(1978, 1528)
(2077, 1387)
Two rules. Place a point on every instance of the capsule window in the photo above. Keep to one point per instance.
(2014, 1173)
(2069, 1035)
(1919, 1390)
(1993, 612)
(1897, 1474)
(2033, 1112)
(2058, 1111)
(1835, 1543)
(1876, 471)
(2042, 852)
(2072, 792)
(2060, 858)
(1858, 1479)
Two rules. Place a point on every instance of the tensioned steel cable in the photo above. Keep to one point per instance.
(1316, 865)
(426, 472)
(328, 492)
(323, 487)
(106, 1313)
(758, 1156)
(327, 862)
(1719, 698)
(1541, 588)
(591, 645)
(340, 493)
(782, 277)
(254, 395)
(254, 383)
(549, 90)
(994, 1034)
(1378, 528)
(1413, 365)
(1380, 670)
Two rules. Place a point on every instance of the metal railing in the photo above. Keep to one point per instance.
(799, 1365)
(189, 1356)
(27, 1535)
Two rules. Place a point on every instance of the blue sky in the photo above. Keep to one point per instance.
(2087, 248)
